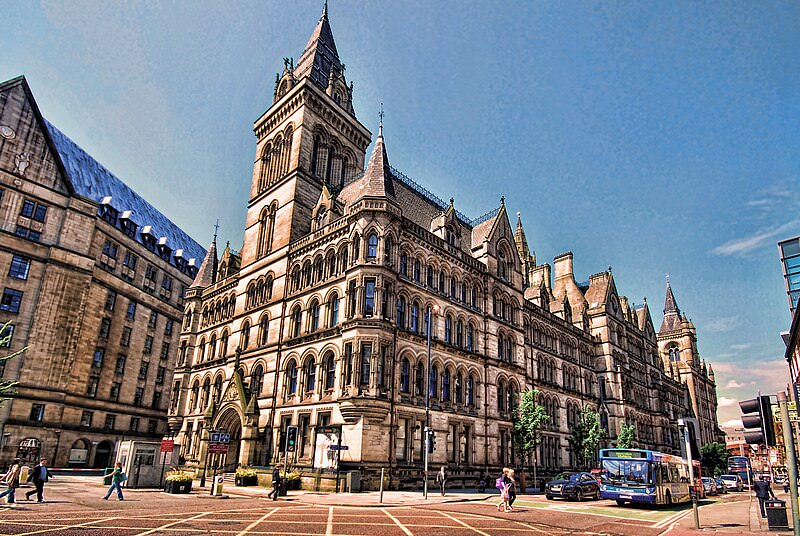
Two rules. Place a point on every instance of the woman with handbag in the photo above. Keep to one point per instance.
(11, 480)
(117, 478)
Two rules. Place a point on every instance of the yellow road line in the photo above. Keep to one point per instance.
(168, 525)
(462, 523)
(252, 525)
(397, 522)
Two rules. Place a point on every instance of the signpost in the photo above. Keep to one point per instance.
(167, 446)
(218, 444)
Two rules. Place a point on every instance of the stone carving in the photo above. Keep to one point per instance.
(22, 161)
(7, 132)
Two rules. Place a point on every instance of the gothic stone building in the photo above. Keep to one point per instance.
(93, 281)
(322, 317)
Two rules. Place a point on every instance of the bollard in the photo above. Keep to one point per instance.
(381, 484)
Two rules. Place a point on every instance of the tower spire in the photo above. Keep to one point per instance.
(672, 314)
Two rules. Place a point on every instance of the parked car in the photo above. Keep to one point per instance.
(574, 486)
(721, 487)
(709, 485)
(733, 482)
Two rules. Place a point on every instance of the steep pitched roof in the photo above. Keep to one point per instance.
(320, 55)
(207, 274)
(672, 315)
(377, 180)
(92, 180)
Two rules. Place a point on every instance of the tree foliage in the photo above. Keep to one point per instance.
(7, 386)
(627, 432)
(586, 436)
(714, 458)
(529, 420)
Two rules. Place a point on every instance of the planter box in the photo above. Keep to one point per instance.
(177, 487)
(246, 480)
(293, 484)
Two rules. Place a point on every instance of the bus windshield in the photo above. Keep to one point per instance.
(627, 471)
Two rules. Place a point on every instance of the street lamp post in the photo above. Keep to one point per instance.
(687, 441)
(428, 430)
(208, 416)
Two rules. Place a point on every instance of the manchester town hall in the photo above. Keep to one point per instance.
(320, 321)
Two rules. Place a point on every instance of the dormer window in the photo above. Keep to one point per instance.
(107, 212)
(337, 97)
(450, 236)
(163, 250)
(127, 224)
(180, 261)
(148, 238)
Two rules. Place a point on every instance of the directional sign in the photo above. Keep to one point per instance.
(220, 437)
(339, 447)
(218, 448)
(167, 445)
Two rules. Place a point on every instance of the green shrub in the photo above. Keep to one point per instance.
(179, 476)
(246, 472)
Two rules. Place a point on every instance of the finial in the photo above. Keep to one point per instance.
(227, 243)
(645, 300)
(324, 10)
(452, 201)
(609, 269)
(502, 200)
(380, 125)
(216, 230)
(667, 279)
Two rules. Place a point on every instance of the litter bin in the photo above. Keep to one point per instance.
(218, 482)
(776, 514)
(107, 475)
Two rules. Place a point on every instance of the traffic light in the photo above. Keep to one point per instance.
(431, 441)
(758, 421)
(291, 438)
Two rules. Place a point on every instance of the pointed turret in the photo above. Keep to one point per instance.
(520, 240)
(207, 274)
(672, 315)
(710, 372)
(320, 57)
(377, 179)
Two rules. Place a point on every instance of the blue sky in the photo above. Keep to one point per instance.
(653, 137)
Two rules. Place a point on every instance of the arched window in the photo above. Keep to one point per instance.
(311, 375)
(223, 344)
(446, 386)
(448, 329)
(315, 155)
(441, 282)
(401, 312)
(416, 270)
(501, 396)
(212, 346)
(313, 313)
(330, 371)
(319, 269)
(414, 326)
(291, 377)
(459, 389)
(674, 354)
(452, 287)
(509, 355)
(470, 338)
(501, 264)
(201, 351)
(405, 367)
(470, 391)
(256, 380)
(245, 336)
(356, 247)
(388, 251)
(460, 334)
(372, 246)
(331, 264)
(297, 321)
(403, 264)
(333, 310)
(464, 292)
(263, 331)
(266, 156)
(195, 392)
(501, 341)
(434, 382)
(205, 394)
(419, 380)
(474, 297)
(217, 389)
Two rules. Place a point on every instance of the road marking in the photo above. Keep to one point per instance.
(671, 519)
(168, 525)
(462, 523)
(252, 525)
(397, 522)
(329, 529)
(70, 527)
(531, 527)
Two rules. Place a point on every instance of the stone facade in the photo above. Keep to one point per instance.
(322, 317)
(101, 328)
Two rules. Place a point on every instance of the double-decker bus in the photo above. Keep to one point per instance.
(643, 476)
(741, 466)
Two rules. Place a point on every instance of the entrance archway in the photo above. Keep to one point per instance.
(79, 453)
(102, 454)
(230, 423)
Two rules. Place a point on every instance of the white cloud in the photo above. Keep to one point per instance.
(740, 347)
(733, 423)
(733, 384)
(725, 402)
(742, 247)
(722, 324)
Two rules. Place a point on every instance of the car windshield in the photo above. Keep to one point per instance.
(569, 476)
(728, 477)
(627, 471)
(706, 479)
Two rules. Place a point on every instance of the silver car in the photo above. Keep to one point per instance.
(733, 482)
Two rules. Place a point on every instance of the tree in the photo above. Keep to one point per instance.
(625, 437)
(714, 458)
(586, 436)
(7, 386)
(529, 419)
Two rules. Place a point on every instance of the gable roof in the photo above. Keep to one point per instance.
(92, 180)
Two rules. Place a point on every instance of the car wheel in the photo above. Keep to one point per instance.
(620, 502)
(548, 497)
(597, 494)
(578, 495)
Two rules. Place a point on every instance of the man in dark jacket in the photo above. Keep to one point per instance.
(276, 483)
(763, 492)
(38, 476)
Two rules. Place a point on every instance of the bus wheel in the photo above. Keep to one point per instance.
(669, 499)
(620, 502)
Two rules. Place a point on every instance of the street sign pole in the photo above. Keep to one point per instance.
(692, 482)
(791, 462)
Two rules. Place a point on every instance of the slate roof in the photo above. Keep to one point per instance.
(91, 180)
(377, 180)
(672, 315)
(207, 274)
(320, 54)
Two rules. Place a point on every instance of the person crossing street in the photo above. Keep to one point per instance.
(38, 476)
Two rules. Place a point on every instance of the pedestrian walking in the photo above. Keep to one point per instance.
(502, 484)
(441, 479)
(276, 483)
(482, 483)
(763, 492)
(11, 480)
(38, 476)
(117, 478)
(512, 489)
